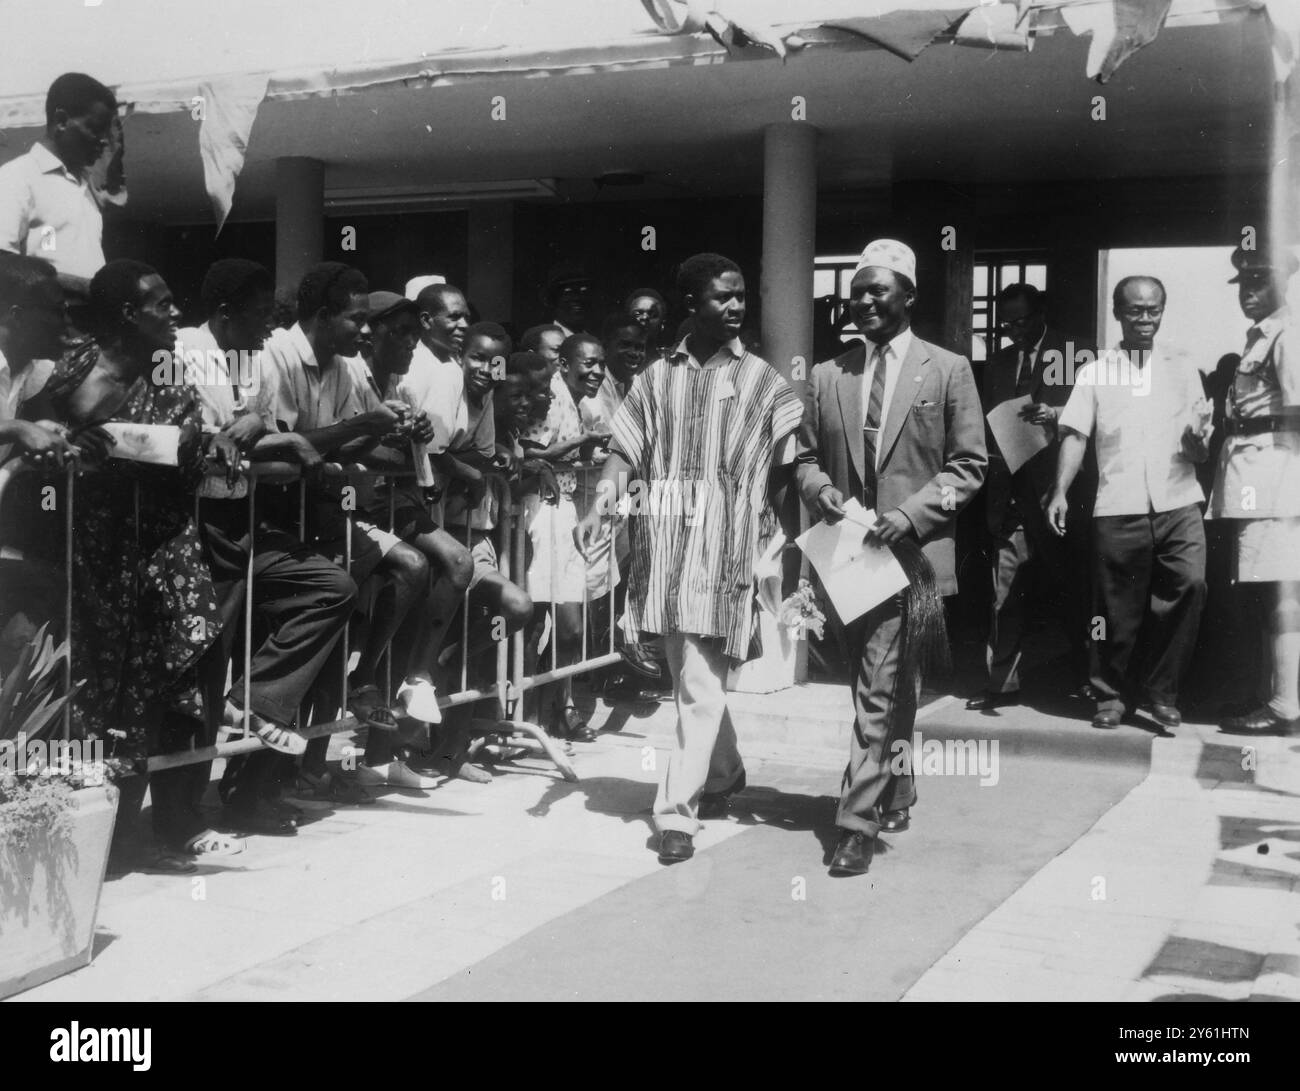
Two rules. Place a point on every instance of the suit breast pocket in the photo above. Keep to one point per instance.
(927, 413)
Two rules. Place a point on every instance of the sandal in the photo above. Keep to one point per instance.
(332, 788)
(171, 862)
(278, 738)
(212, 843)
(368, 707)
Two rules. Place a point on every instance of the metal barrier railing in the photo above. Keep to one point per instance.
(506, 728)
(521, 682)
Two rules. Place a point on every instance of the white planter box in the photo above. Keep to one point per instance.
(49, 894)
(775, 668)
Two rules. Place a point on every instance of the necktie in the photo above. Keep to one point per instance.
(875, 408)
(1025, 375)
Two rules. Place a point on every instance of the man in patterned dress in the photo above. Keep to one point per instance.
(694, 446)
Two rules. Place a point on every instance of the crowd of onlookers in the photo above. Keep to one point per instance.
(406, 429)
(346, 471)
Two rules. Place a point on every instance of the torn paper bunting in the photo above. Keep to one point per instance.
(229, 108)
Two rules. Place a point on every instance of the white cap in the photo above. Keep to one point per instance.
(416, 285)
(889, 254)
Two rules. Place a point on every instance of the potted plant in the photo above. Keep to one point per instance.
(56, 823)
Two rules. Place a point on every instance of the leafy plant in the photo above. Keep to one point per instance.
(28, 705)
(36, 792)
(32, 804)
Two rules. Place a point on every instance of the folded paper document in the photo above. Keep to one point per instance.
(156, 443)
(1018, 440)
(856, 574)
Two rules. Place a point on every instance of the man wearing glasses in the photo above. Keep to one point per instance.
(1148, 418)
(1023, 546)
(568, 298)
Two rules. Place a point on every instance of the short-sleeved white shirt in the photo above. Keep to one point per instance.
(48, 212)
(1138, 435)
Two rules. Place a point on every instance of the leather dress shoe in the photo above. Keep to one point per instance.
(1107, 718)
(261, 816)
(640, 660)
(569, 724)
(675, 846)
(988, 700)
(895, 821)
(1166, 715)
(853, 853)
(1260, 721)
(716, 804)
(626, 688)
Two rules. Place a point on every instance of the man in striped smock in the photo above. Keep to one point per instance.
(694, 446)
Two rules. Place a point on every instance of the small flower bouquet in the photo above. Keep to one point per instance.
(800, 613)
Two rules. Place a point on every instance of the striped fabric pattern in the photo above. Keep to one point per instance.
(701, 442)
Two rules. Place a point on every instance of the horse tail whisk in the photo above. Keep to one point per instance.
(925, 648)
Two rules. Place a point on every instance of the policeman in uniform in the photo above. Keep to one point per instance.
(1257, 481)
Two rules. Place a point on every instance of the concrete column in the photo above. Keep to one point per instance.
(491, 250)
(1284, 179)
(937, 220)
(299, 220)
(789, 234)
(789, 229)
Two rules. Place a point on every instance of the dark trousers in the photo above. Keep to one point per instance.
(1149, 589)
(1013, 579)
(301, 603)
(884, 705)
(301, 599)
(1030, 565)
(174, 792)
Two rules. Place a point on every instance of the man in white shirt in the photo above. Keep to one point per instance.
(320, 389)
(31, 327)
(31, 331)
(1148, 419)
(48, 205)
(302, 599)
(435, 382)
(624, 339)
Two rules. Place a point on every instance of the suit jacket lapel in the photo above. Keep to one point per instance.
(905, 392)
(848, 389)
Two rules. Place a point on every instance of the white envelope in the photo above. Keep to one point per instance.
(857, 575)
(1018, 440)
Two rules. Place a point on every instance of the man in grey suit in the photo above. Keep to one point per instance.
(895, 424)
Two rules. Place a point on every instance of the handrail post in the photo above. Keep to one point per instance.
(68, 524)
(503, 645)
(512, 560)
(248, 608)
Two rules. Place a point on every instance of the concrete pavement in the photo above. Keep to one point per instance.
(1101, 865)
